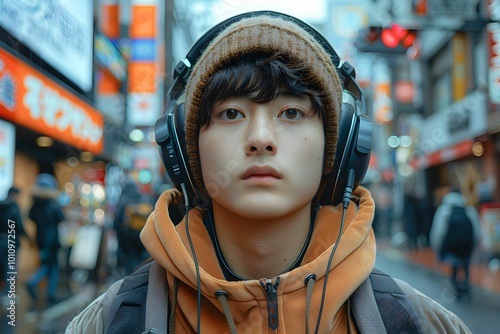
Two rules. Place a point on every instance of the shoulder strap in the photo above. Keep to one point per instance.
(109, 296)
(385, 305)
(365, 310)
(128, 302)
(123, 291)
(156, 301)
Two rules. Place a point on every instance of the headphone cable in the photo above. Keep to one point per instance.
(345, 203)
(186, 201)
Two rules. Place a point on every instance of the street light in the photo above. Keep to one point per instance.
(401, 145)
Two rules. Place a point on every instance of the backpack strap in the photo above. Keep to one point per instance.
(365, 310)
(157, 302)
(385, 303)
(138, 300)
(109, 296)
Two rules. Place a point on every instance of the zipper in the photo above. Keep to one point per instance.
(270, 286)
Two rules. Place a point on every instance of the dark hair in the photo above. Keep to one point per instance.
(262, 76)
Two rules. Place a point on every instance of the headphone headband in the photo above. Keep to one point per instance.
(183, 68)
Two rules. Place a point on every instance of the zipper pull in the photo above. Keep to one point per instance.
(272, 301)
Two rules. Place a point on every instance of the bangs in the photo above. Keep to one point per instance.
(260, 78)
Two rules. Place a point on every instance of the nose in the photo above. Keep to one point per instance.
(261, 136)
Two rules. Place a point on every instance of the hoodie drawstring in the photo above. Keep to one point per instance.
(222, 296)
(171, 320)
(310, 281)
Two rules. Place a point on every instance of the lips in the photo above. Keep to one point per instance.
(260, 171)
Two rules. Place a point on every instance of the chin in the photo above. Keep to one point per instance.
(265, 209)
(262, 212)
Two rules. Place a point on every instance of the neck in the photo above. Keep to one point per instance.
(256, 249)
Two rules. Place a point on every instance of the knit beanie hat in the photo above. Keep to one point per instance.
(263, 33)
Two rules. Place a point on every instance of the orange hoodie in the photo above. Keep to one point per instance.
(246, 303)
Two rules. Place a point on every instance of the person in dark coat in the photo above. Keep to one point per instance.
(11, 231)
(455, 234)
(46, 213)
(131, 251)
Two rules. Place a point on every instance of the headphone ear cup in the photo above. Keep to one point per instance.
(171, 139)
(352, 153)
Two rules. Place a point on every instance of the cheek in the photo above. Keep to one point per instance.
(315, 154)
(306, 160)
(312, 149)
(217, 161)
(209, 154)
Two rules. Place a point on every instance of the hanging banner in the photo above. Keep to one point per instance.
(112, 71)
(31, 99)
(382, 94)
(143, 107)
(494, 62)
(110, 20)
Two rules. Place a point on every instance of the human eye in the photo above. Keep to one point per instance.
(230, 114)
(291, 114)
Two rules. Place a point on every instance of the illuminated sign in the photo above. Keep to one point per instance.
(143, 100)
(494, 62)
(108, 57)
(59, 31)
(31, 99)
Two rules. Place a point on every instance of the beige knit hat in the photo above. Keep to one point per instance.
(262, 33)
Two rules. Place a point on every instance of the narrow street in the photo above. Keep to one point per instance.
(480, 313)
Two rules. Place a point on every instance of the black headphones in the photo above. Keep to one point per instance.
(354, 131)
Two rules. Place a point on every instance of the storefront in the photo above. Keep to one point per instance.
(452, 148)
(55, 130)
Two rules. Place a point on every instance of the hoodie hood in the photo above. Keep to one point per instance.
(247, 301)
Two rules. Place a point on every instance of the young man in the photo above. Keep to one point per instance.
(263, 102)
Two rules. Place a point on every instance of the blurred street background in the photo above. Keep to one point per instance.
(82, 84)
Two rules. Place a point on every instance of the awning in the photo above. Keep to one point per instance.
(457, 151)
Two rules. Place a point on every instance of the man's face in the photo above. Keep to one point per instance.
(262, 161)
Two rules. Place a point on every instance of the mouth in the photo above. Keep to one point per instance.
(260, 172)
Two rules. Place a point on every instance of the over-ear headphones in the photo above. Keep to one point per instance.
(354, 130)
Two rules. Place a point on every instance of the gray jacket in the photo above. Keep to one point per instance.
(440, 220)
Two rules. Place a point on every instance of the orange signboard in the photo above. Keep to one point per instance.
(459, 67)
(110, 22)
(141, 77)
(31, 99)
(383, 103)
(143, 23)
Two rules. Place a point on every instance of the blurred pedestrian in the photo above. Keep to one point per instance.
(411, 220)
(11, 232)
(46, 213)
(455, 233)
(131, 214)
